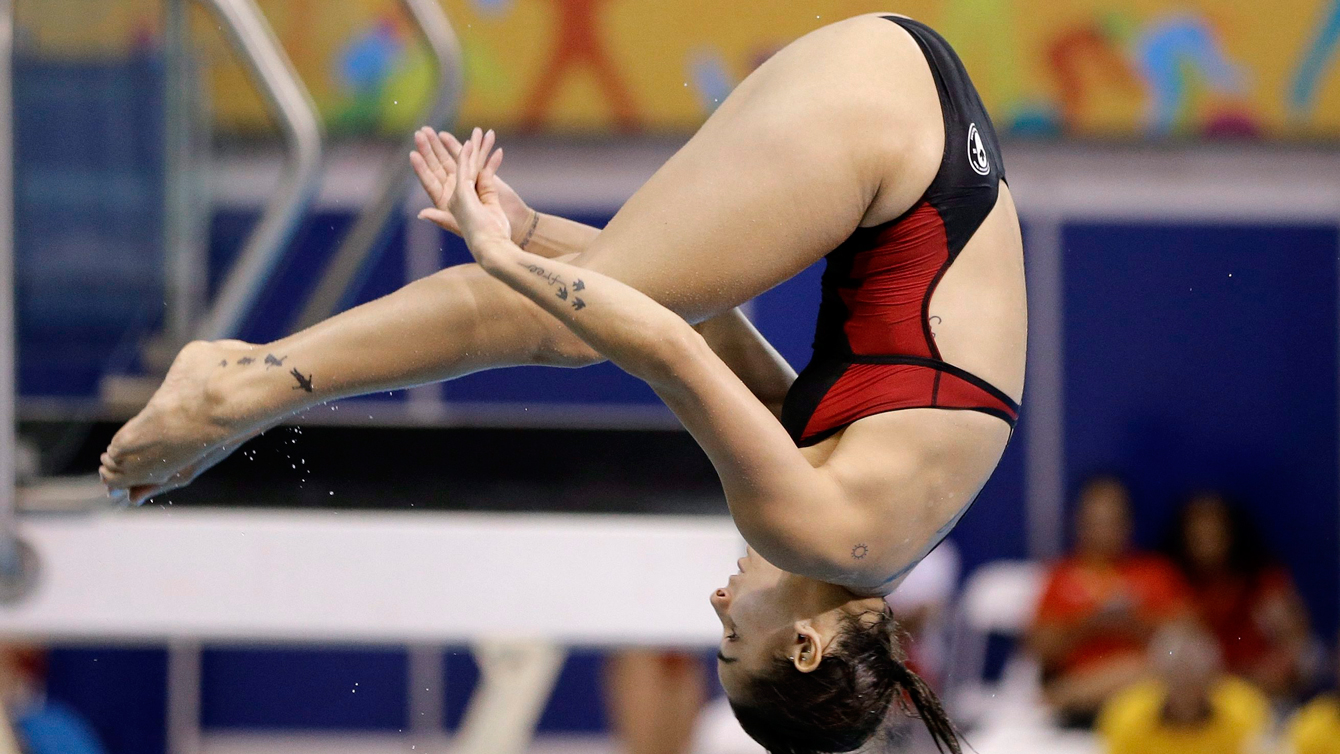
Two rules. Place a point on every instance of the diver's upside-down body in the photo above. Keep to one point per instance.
(831, 148)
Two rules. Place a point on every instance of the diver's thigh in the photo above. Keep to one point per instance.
(780, 175)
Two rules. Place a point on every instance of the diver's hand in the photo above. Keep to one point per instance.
(476, 203)
(435, 165)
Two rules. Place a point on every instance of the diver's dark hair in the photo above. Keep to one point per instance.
(845, 701)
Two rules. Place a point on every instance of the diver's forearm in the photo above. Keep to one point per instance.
(553, 236)
(750, 356)
(628, 327)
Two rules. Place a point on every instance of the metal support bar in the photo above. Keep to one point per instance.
(427, 698)
(184, 252)
(16, 561)
(1044, 471)
(293, 107)
(516, 679)
(358, 248)
(183, 697)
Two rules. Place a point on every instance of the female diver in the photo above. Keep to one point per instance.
(863, 142)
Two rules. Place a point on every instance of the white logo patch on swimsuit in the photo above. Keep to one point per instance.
(977, 152)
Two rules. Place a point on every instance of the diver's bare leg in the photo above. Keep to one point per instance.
(755, 197)
(454, 322)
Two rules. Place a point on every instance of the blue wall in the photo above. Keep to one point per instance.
(1206, 356)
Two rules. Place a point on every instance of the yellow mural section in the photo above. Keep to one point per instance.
(1087, 68)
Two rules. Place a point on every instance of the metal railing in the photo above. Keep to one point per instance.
(292, 105)
(18, 563)
(366, 239)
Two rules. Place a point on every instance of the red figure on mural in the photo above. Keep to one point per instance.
(1069, 55)
(578, 42)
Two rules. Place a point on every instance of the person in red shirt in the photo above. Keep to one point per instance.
(1100, 607)
(1243, 595)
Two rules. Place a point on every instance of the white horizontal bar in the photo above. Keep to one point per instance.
(1208, 182)
(350, 576)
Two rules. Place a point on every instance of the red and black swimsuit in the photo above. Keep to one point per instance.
(873, 346)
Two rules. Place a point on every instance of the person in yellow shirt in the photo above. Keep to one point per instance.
(1189, 707)
(1315, 729)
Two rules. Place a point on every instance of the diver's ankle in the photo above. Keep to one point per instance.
(246, 392)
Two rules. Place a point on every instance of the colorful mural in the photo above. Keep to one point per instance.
(1086, 68)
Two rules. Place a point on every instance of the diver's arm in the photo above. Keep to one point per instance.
(787, 509)
(798, 516)
(750, 356)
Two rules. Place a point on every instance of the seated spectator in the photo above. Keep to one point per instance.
(1315, 729)
(1100, 607)
(38, 725)
(1190, 707)
(653, 697)
(1243, 595)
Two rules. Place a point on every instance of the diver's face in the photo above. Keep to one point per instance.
(757, 619)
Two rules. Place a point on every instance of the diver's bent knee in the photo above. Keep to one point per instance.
(567, 351)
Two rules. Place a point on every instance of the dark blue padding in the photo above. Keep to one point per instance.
(1206, 355)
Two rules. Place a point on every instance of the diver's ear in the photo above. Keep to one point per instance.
(806, 649)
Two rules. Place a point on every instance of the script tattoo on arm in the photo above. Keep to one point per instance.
(553, 279)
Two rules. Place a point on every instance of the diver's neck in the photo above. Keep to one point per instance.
(821, 596)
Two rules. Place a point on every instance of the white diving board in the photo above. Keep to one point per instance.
(517, 588)
(379, 577)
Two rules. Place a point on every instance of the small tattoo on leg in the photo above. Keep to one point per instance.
(223, 363)
(245, 360)
(860, 551)
(271, 361)
(304, 383)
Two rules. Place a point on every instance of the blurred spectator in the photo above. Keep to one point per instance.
(1100, 607)
(1243, 595)
(653, 698)
(1315, 729)
(40, 726)
(921, 604)
(1190, 707)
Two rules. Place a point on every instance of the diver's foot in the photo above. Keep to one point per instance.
(193, 421)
